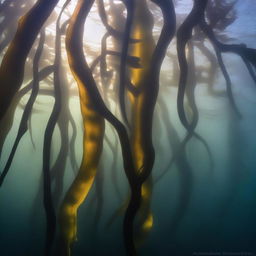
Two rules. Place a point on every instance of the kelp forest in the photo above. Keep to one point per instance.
(127, 127)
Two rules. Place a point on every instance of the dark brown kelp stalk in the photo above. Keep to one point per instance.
(7, 121)
(242, 50)
(17, 52)
(248, 56)
(124, 53)
(48, 203)
(185, 172)
(28, 108)
(184, 34)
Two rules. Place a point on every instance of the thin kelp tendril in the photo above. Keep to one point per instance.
(184, 34)
(246, 53)
(124, 53)
(29, 106)
(48, 203)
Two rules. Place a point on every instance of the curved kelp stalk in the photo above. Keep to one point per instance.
(112, 31)
(247, 54)
(146, 79)
(145, 216)
(124, 53)
(105, 75)
(48, 202)
(250, 69)
(7, 121)
(14, 59)
(190, 93)
(184, 34)
(81, 71)
(190, 89)
(141, 138)
(226, 76)
(132, 61)
(185, 172)
(92, 144)
(228, 83)
(212, 70)
(64, 117)
(29, 106)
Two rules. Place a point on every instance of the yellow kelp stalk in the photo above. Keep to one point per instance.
(140, 134)
(145, 216)
(92, 147)
(146, 81)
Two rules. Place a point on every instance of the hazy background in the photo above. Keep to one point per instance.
(220, 215)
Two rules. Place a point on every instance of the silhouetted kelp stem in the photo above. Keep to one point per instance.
(192, 81)
(132, 61)
(190, 92)
(227, 79)
(59, 166)
(42, 74)
(184, 34)
(147, 80)
(7, 121)
(104, 19)
(64, 118)
(17, 52)
(104, 74)
(29, 106)
(85, 80)
(244, 52)
(93, 135)
(228, 83)
(48, 203)
(219, 13)
(113, 32)
(213, 67)
(124, 53)
(185, 171)
(250, 69)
